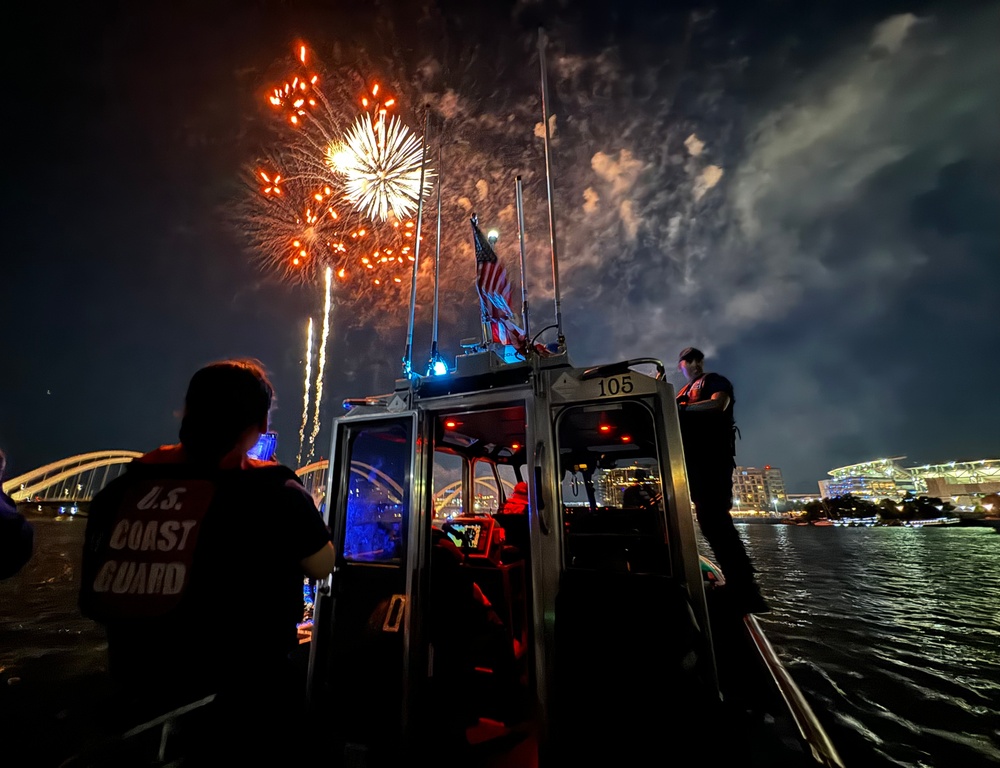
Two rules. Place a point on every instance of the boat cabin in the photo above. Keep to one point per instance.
(572, 628)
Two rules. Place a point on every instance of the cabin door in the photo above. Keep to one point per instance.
(628, 652)
(360, 655)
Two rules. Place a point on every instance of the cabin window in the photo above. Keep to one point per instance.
(378, 493)
(468, 446)
(447, 486)
(487, 495)
(612, 500)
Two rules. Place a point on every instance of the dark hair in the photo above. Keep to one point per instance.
(222, 400)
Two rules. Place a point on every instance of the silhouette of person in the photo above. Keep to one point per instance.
(708, 428)
(17, 535)
(194, 561)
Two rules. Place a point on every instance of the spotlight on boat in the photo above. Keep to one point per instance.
(493, 236)
(437, 367)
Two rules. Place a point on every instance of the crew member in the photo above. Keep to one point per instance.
(708, 428)
(194, 561)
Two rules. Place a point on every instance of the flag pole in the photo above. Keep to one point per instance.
(520, 237)
(548, 184)
(484, 318)
(408, 353)
(435, 357)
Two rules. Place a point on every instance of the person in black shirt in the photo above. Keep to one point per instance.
(708, 428)
(194, 561)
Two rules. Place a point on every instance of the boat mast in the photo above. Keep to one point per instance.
(548, 184)
(408, 353)
(435, 357)
(520, 237)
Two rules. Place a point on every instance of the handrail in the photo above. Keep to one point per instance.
(809, 726)
(616, 369)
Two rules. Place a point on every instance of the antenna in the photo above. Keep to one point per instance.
(435, 356)
(520, 237)
(408, 353)
(548, 184)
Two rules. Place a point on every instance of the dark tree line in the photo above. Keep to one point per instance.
(887, 511)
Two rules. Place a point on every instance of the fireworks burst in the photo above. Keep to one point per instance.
(380, 161)
(295, 226)
(298, 95)
(298, 232)
(307, 384)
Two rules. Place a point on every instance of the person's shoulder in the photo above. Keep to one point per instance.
(718, 381)
(283, 479)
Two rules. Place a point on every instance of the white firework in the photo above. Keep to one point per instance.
(380, 164)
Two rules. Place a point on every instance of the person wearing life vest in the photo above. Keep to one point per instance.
(708, 429)
(517, 502)
(194, 561)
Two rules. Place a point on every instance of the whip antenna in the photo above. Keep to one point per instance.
(520, 237)
(408, 354)
(548, 184)
(435, 356)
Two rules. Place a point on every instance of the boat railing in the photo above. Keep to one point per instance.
(808, 725)
(104, 753)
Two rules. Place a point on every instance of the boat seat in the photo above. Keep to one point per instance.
(516, 531)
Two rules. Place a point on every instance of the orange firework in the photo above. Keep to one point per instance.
(297, 231)
(299, 214)
(297, 95)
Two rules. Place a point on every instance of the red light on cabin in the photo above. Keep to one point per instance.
(605, 428)
(514, 447)
(626, 439)
(451, 424)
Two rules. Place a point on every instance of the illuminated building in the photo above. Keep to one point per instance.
(758, 489)
(610, 483)
(962, 481)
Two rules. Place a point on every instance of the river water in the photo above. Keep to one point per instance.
(892, 633)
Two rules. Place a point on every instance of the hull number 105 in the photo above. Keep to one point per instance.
(616, 385)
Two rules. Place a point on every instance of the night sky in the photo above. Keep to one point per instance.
(809, 192)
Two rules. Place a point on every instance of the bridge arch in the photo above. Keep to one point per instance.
(76, 478)
(313, 477)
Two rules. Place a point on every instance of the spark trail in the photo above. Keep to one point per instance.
(321, 364)
(307, 386)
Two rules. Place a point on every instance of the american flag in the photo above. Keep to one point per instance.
(491, 278)
(494, 290)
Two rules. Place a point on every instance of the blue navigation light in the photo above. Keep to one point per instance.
(439, 368)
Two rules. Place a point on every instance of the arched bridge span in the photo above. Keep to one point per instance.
(74, 479)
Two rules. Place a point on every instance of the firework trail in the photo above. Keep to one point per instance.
(307, 384)
(321, 364)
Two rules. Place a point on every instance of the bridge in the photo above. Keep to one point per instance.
(314, 478)
(74, 479)
(77, 478)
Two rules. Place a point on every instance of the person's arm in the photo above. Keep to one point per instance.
(719, 401)
(319, 564)
(307, 530)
